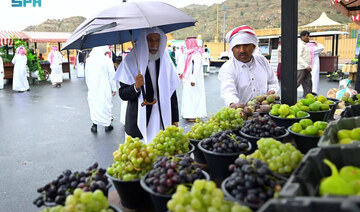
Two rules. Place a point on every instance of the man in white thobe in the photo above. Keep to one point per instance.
(80, 64)
(2, 74)
(160, 80)
(193, 104)
(180, 60)
(246, 74)
(315, 50)
(56, 59)
(20, 82)
(99, 72)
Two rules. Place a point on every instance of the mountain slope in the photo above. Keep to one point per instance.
(255, 13)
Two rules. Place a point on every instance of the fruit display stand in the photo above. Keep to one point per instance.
(330, 134)
(305, 180)
(306, 204)
(351, 69)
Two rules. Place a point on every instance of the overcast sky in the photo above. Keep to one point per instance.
(18, 18)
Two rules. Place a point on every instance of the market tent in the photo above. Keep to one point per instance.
(47, 37)
(323, 23)
(5, 37)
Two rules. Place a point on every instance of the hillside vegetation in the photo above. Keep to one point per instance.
(255, 13)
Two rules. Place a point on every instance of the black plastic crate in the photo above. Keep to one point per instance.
(330, 134)
(305, 180)
(307, 204)
(351, 111)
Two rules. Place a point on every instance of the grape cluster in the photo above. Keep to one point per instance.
(168, 172)
(280, 158)
(252, 181)
(203, 196)
(132, 160)
(262, 126)
(83, 201)
(57, 190)
(170, 141)
(226, 118)
(225, 142)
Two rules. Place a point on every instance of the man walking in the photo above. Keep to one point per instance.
(304, 63)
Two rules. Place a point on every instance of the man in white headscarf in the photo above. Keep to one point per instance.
(56, 59)
(160, 80)
(193, 103)
(99, 72)
(246, 74)
(20, 82)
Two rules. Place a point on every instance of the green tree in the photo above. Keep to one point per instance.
(32, 61)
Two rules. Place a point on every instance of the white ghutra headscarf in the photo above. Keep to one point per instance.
(168, 79)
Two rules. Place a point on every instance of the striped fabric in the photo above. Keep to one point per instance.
(5, 37)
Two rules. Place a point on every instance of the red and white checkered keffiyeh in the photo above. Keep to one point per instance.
(241, 35)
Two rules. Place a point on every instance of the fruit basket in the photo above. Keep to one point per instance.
(167, 174)
(286, 122)
(217, 159)
(304, 142)
(131, 194)
(305, 180)
(319, 115)
(330, 134)
(198, 154)
(330, 115)
(262, 127)
(307, 204)
(260, 183)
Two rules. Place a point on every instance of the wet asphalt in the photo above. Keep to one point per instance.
(47, 130)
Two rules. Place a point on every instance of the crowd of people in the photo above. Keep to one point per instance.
(147, 78)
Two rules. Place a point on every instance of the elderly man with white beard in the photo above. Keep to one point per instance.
(246, 74)
(160, 83)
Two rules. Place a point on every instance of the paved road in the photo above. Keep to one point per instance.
(47, 130)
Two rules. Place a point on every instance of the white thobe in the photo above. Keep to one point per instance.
(20, 82)
(180, 62)
(193, 103)
(154, 120)
(241, 82)
(100, 83)
(315, 66)
(80, 68)
(2, 74)
(206, 60)
(56, 68)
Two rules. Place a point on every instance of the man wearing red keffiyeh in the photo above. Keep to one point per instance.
(246, 74)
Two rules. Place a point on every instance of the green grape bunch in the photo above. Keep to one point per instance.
(132, 160)
(169, 142)
(203, 196)
(280, 158)
(225, 119)
(83, 201)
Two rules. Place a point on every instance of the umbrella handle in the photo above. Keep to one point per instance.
(145, 102)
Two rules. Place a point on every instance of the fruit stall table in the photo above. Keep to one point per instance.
(351, 69)
(9, 69)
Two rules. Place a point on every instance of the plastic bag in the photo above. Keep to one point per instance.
(344, 87)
